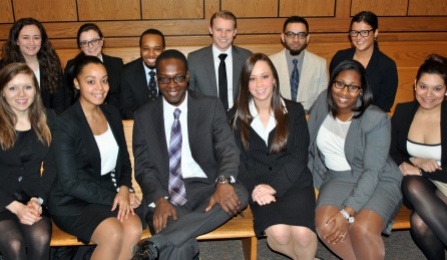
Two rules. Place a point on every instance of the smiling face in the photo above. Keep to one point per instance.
(295, 44)
(173, 92)
(29, 40)
(345, 100)
(261, 82)
(430, 91)
(223, 32)
(19, 93)
(151, 47)
(91, 49)
(362, 43)
(92, 84)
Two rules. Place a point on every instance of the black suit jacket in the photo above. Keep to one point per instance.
(402, 118)
(78, 162)
(114, 67)
(26, 176)
(134, 88)
(211, 142)
(382, 76)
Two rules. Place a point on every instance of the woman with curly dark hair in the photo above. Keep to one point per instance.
(28, 42)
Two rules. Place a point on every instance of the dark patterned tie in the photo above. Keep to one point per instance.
(223, 84)
(294, 80)
(177, 191)
(152, 86)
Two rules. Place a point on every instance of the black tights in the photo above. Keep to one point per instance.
(15, 237)
(428, 219)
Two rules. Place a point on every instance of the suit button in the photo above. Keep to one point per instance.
(20, 179)
(270, 168)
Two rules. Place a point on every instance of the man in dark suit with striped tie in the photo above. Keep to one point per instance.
(186, 162)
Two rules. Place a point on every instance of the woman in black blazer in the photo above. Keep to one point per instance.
(28, 42)
(25, 139)
(273, 138)
(419, 147)
(92, 197)
(381, 69)
(91, 40)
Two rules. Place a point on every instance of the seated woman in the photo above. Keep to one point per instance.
(92, 197)
(381, 69)
(25, 138)
(28, 42)
(358, 181)
(91, 41)
(273, 138)
(419, 147)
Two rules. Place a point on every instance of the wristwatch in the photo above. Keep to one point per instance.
(223, 179)
(349, 218)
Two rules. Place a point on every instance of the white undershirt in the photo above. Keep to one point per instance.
(257, 125)
(425, 151)
(331, 142)
(37, 74)
(189, 167)
(108, 149)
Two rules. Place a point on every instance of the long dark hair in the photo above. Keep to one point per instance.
(36, 111)
(49, 64)
(242, 114)
(365, 98)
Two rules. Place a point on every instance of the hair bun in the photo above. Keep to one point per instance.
(436, 58)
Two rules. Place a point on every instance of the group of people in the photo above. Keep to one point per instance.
(214, 132)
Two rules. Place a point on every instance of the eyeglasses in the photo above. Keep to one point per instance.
(341, 85)
(93, 42)
(363, 33)
(301, 35)
(167, 80)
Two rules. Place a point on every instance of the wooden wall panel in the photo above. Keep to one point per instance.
(251, 8)
(427, 7)
(380, 7)
(306, 8)
(172, 9)
(6, 11)
(109, 10)
(46, 10)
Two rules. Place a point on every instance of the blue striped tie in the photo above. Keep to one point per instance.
(177, 191)
(294, 80)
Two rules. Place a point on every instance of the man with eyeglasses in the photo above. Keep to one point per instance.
(186, 163)
(138, 81)
(215, 70)
(302, 74)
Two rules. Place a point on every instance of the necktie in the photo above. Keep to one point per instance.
(294, 80)
(177, 191)
(152, 86)
(223, 85)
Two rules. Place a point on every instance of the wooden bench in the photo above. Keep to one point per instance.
(408, 57)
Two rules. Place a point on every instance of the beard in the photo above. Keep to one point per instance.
(295, 52)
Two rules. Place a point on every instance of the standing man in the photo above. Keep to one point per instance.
(186, 163)
(302, 74)
(215, 69)
(138, 83)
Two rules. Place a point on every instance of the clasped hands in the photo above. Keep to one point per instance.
(263, 194)
(338, 228)
(427, 165)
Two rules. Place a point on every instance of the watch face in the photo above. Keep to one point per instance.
(351, 220)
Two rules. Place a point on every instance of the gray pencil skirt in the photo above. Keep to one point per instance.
(385, 201)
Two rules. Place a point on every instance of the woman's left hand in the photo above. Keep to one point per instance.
(134, 200)
(122, 202)
(340, 228)
(263, 194)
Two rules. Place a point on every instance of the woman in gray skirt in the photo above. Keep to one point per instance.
(359, 183)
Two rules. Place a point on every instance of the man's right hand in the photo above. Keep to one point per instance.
(163, 210)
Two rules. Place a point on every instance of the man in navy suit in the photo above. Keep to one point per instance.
(208, 167)
(136, 88)
(204, 63)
